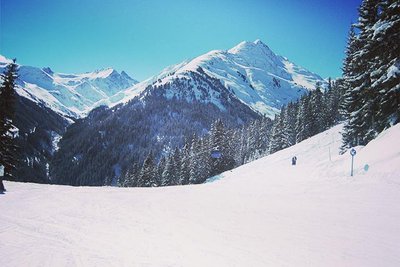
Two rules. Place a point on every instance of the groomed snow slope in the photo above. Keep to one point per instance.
(266, 213)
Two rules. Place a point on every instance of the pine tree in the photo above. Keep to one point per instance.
(219, 141)
(160, 169)
(8, 98)
(186, 157)
(147, 175)
(360, 83)
(176, 161)
(332, 99)
(277, 135)
(130, 177)
(384, 42)
(303, 119)
(289, 123)
(317, 112)
(252, 131)
(168, 173)
(200, 165)
(351, 97)
(195, 162)
(235, 145)
(371, 73)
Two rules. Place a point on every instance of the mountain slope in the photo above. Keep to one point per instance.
(47, 103)
(236, 86)
(266, 213)
(71, 95)
(37, 139)
(257, 76)
(107, 140)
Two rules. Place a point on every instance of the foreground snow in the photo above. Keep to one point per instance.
(266, 213)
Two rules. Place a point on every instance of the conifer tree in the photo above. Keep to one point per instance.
(218, 140)
(195, 162)
(186, 157)
(385, 76)
(169, 171)
(371, 73)
(289, 123)
(303, 119)
(130, 177)
(350, 101)
(160, 169)
(176, 162)
(8, 98)
(276, 141)
(147, 175)
(200, 165)
(317, 113)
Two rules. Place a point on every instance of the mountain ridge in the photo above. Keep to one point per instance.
(259, 78)
(70, 95)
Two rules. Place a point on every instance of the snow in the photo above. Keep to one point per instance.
(55, 139)
(393, 70)
(381, 26)
(70, 95)
(266, 213)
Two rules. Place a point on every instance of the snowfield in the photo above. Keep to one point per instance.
(266, 213)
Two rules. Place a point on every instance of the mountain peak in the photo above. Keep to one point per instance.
(258, 41)
(246, 47)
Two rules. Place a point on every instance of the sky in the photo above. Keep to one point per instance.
(143, 37)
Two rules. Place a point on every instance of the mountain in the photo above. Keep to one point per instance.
(159, 114)
(38, 136)
(71, 95)
(251, 71)
(265, 213)
(47, 103)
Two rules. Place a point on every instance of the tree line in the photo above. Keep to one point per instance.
(195, 162)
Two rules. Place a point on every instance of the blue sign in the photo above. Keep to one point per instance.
(353, 152)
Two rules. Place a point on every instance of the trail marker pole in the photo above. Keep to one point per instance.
(353, 152)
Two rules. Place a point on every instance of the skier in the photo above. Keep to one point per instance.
(2, 189)
(294, 159)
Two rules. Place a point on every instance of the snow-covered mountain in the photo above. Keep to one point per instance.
(251, 71)
(71, 95)
(265, 213)
(237, 86)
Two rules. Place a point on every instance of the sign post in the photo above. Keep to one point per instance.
(353, 152)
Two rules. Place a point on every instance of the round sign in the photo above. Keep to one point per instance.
(353, 152)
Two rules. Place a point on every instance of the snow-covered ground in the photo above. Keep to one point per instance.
(266, 213)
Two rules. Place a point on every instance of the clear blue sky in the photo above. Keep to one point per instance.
(142, 37)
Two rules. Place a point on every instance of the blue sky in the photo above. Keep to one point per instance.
(143, 37)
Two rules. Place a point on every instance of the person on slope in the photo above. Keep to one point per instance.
(2, 188)
(294, 160)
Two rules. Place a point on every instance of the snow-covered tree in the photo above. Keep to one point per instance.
(371, 73)
(8, 98)
(147, 175)
(277, 134)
